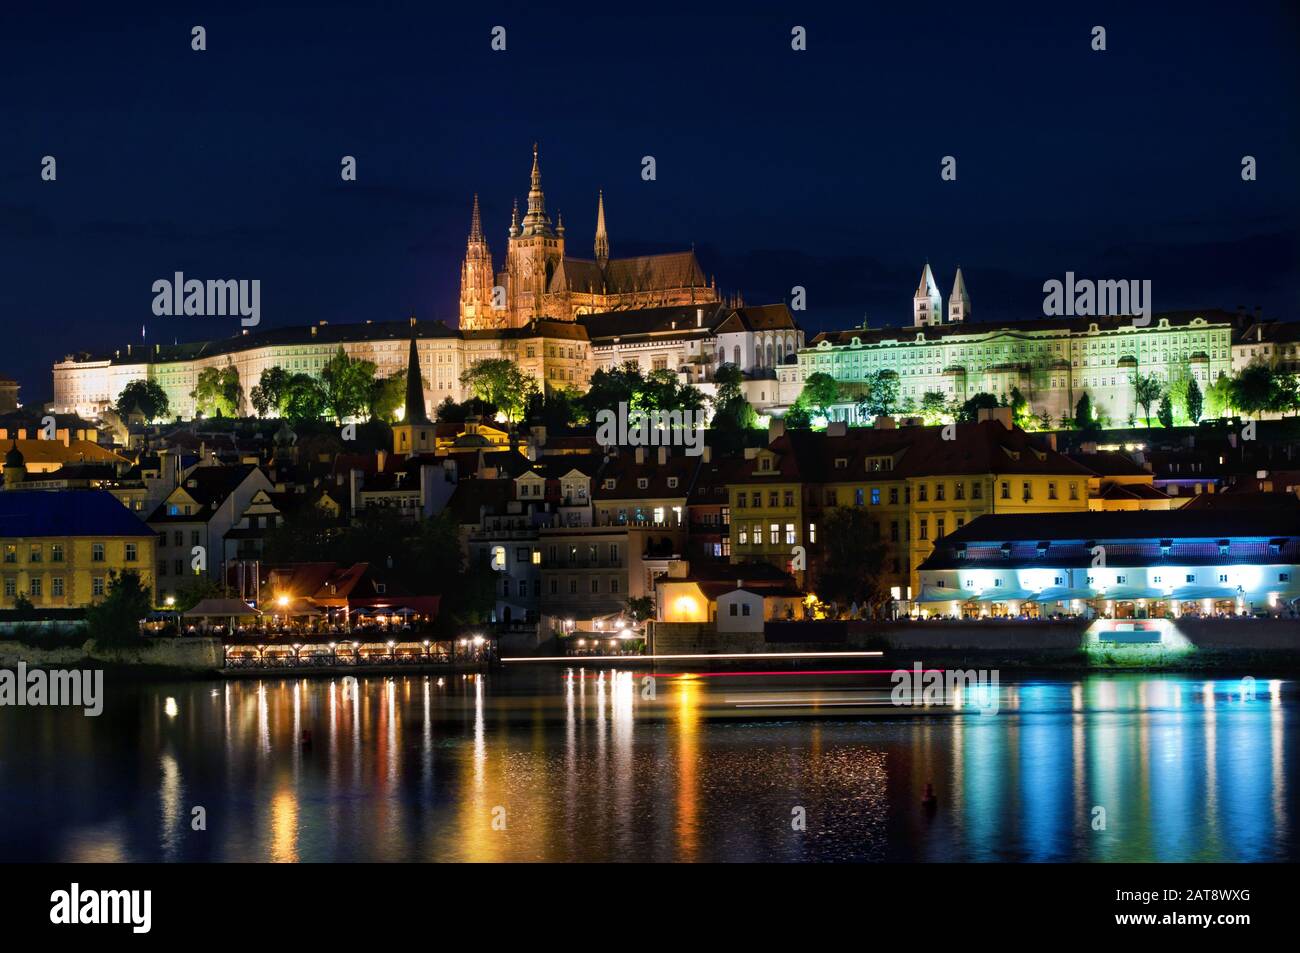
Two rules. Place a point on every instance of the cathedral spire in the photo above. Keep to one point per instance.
(602, 239)
(415, 410)
(514, 220)
(536, 221)
(475, 223)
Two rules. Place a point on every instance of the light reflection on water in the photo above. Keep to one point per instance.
(601, 765)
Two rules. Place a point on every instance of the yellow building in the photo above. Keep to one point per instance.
(917, 484)
(60, 549)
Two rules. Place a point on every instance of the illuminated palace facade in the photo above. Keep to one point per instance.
(1052, 361)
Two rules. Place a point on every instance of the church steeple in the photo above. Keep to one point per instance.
(602, 239)
(415, 410)
(536, 221)
(927, 303)
(959, 301)
(415, 433)
(514, 220)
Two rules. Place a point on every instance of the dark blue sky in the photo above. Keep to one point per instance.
(818, 168)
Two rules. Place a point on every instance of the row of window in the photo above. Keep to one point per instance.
(36, 587)
(178, 537)
(613, 586)
(36, 552)
(775, 534)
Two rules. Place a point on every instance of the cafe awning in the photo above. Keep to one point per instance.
(1129, 593)
(221, 609)
(1187, 593)
(1004, 594)
(1062, 594)
(944, 594)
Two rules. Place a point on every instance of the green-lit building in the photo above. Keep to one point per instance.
(1051, 361)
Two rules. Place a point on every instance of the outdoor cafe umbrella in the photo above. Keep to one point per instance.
(230, 609)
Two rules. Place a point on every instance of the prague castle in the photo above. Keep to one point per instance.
(540, 280)
(562, 318)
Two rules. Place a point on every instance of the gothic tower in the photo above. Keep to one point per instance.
(958, 301)
(476, 280)
(602, 240)
(534, 253)
(415, 433)
(927, 303)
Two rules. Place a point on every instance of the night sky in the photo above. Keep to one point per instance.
(817, 168)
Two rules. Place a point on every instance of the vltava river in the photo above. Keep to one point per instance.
(548, 763)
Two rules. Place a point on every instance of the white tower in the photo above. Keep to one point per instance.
(927, 303)
(958, 301)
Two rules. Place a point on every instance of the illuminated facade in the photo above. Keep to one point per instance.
(1124, 565)
(540, 280)
(916, 486)
(60, 548)
(1052, 362)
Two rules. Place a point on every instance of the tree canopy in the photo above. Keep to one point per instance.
(500, 382)
(218, 393)
(347, 382)
(148, 396)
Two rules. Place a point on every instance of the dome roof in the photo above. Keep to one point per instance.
(14, 458)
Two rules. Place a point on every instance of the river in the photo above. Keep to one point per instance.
(558, 764)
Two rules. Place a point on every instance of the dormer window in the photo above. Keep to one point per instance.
(841, 463)
(609, 483)
(1006, 550)
(1223, 547)
(1165, 546)
(672, 483)
(642, 483)
(765, 464)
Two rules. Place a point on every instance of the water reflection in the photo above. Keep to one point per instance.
(616, 765)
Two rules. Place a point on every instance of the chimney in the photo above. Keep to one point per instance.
(699, 317)
(381, 457)
(884, 423)
(1001, 414)
(354, 485)
(426, 489)
(663, 455)
(775, 429)
(837, 428)
(708, 454)
(640, 455)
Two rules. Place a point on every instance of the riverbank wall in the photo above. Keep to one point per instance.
(190, 654)
(1066, 643)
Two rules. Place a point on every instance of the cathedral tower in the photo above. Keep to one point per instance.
(927, 303)
(536, 250)
(958, 301)
(476, 280)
